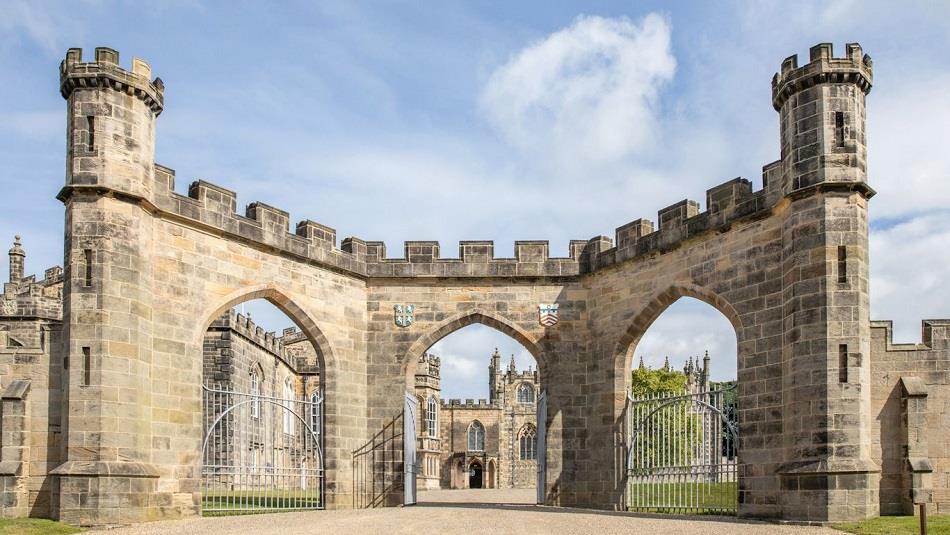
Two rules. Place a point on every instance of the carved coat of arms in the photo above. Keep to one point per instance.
(403, 314)
(547, 314)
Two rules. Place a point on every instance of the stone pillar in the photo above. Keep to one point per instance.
(108, 477)
(17, 261)
(827, 474)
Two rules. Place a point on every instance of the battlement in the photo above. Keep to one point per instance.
(469, 403)
(24, 296)
(822, 67)
(935, 334)
(246, 327)
(106, 72)
(213, 208)
(726, 204)
(475, 258)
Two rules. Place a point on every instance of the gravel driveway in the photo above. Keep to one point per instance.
(461, 512)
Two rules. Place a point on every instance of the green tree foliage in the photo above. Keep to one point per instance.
(646, 382)
(667, 429)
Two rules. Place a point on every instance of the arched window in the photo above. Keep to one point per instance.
(256, 394)
(288, 406)
(525, 393)
(476, 437)
(432, 412)
(529, 440)
(315, 413)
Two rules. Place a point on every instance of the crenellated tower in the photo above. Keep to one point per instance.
(825, 304)
(107, 308)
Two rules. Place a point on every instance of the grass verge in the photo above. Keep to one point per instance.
(683, 498)
(34, 526)
(897, 525)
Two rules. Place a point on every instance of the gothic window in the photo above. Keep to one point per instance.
(476, 437)
(525, 393)
(288, 406)
(432, 411)
(256, 394)
(529, 440)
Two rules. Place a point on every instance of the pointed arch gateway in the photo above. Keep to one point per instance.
(266, 437)
(683, 438)
(460, 321)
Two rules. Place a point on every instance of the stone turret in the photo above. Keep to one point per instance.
(822, 114)
(826, 309)
(495, 378)
(111, 121)
(111, 114)
(17, 260)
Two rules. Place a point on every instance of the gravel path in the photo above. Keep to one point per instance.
(461, 512)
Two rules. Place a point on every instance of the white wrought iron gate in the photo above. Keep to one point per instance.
(542, 443)
(260, 454)
(409, 467)
(681, 455)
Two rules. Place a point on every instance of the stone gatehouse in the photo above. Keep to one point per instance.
(101, 362)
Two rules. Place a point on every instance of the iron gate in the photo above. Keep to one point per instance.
(409, 468)
(542, 422)
(681, 455)
(261, 454)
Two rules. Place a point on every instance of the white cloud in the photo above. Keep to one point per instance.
(49, 26)
(909, 272)
(908, 127)
(587, 92)
(688, 328)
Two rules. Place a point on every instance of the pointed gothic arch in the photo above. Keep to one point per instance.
(460, 321)
(654, 308)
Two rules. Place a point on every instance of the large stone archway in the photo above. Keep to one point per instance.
(145, 266)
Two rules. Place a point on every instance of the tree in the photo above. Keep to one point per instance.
(646, 381)
(666, 430)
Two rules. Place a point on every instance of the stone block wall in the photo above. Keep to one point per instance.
(928, 363)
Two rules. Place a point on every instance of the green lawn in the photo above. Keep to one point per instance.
(34, 526)
(686, 498)
(239, 502)
(897, 525)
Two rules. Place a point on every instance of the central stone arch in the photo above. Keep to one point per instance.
(460, 321)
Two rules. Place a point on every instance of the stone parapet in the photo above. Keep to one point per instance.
(822, 67)
(106, 72)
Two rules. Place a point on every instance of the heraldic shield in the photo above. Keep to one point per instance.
(403, 314)
(547, 314)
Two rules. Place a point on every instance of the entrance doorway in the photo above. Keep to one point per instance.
(475, 475)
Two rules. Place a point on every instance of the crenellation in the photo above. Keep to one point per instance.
(272, 220)
(214, 198)
(319, 235)
(675, 215)
(421, 252)
(531, 251)
(725, 197)
(477, 252)
(164, 179)
(626, 236)
(107, 71)
(822, 67)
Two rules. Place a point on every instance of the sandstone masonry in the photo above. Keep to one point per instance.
(102, 387)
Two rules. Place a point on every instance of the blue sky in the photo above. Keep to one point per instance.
(493, 120)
